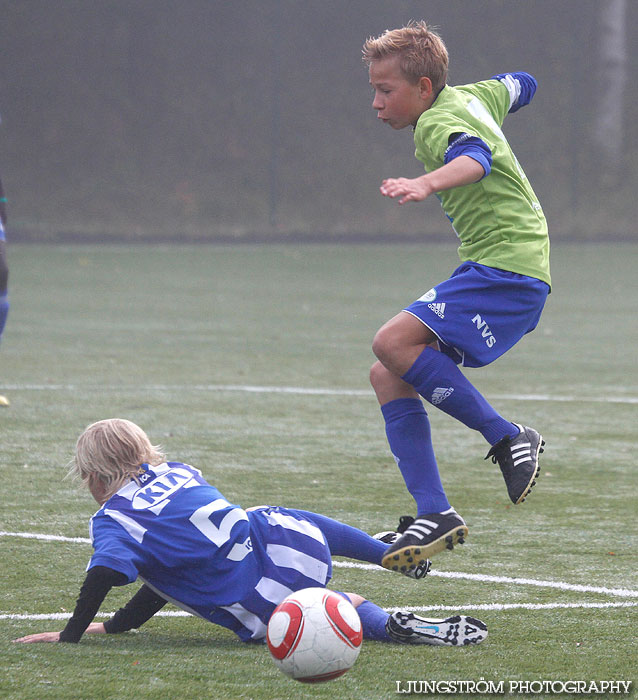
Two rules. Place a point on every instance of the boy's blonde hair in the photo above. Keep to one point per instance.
(421, 52)
(113, 451)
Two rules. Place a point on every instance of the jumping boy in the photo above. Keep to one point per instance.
(162, 522)
(494, 298)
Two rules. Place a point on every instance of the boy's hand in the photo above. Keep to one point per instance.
(409, 189)
(458, 172)
(93, 628)
(40, 637)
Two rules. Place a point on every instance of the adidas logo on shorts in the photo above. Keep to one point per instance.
(440, 394)
(438, 308)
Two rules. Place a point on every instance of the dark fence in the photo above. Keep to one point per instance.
(212, 120)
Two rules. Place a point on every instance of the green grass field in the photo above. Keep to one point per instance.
(251, 363)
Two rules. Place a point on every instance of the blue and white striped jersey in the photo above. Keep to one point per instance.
(179, 535)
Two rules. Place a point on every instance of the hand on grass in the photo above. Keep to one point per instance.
(40, 637)
(93, 628)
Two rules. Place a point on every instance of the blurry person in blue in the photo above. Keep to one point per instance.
(4, 272)
(163, 523)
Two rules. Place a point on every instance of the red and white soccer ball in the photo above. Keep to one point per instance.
(314, 635)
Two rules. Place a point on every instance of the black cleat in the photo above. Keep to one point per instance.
(518, 459)
(412, 570)
(391, 536)
(408, 628)
(426, 536)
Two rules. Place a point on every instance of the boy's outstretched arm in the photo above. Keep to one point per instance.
(460, 171)
(99, 581)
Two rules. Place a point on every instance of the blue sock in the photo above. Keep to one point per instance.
(347, 541)
(4, 310)
(408, 430)
(373, 619)
(435, 376)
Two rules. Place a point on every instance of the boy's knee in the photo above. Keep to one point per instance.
(388, 386)
(384, 344)
(377, 373)
(382, 378)
(353, 598)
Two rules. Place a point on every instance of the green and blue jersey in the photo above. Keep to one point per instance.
(499, 220)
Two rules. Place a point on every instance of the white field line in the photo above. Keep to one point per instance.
(482, 578)
(307, 391)
(51, 538)
(412, 608)
(517, 606)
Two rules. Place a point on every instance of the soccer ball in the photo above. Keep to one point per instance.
(314, 635)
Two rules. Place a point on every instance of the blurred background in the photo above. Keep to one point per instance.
(211, 120)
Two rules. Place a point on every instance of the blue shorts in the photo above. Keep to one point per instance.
(481, 312)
